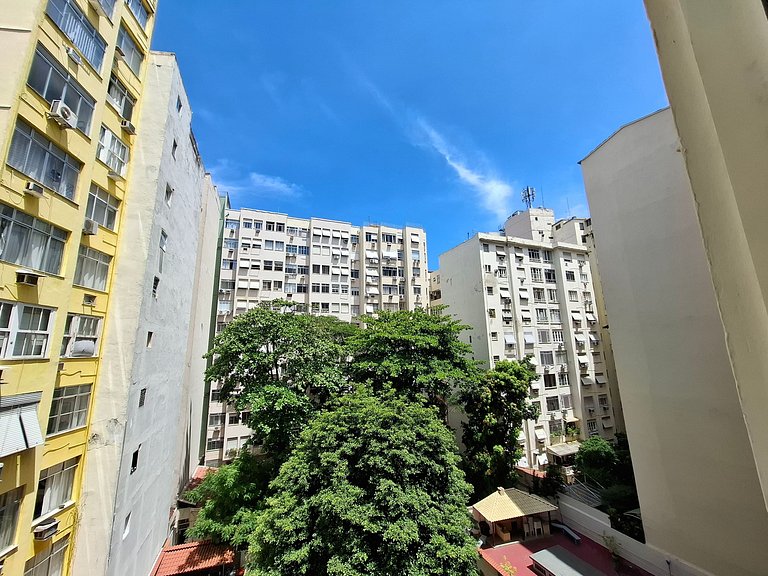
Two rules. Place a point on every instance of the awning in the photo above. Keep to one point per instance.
(19, 423)
(389, 254)
(583, 359)
(601, 380)
(523, 462)
(509, 339)
(242, 305)
(336, 251)
(566, 449)
(521, 437)
(607, 423)
(594, 339)
(336, 234)
(519, 255)
(335, 270)
(587, 381)
(571, 419)
(591, 318)
(244, 264)
(371, 254)
(526, 315)
(344, 234)
(542, 460)
(505, 288)
(541, 435)
(415, 237)
(529, 338)
(505, 316)
(242, 283)
(326, 233)
(576, 316)
(536, 384)
(580, 338)
(344, 252)
(532, 359)
(369, 272)
(372, 291)
(369, 309)
(523, 292)
(254, 284)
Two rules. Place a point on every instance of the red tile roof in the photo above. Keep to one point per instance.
(191, 557)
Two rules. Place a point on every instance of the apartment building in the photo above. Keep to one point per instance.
(528, 291)
(692, 450)
(148, 410)
(71, 81)
(325, 266)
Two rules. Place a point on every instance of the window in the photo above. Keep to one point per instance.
(52, 82)
(370, 237)
(155, 286)
(55, 486)
(567, 256)
(552, 295)
(163, 249)
(120, 98)
(214, 444)
(534, 255)
(554, 316)
(494, 336)
(538, 295)
(75, 25)
(541, 315)
(502, 270)
(562, 379)
(573, 296)
(9, 515)
(266, 285)
(69, 409)
(592, 426)
(49, 562)
(561, 356)
(280, 227)
(491, 313)
(550, 381)
(25, 330)
(486, 248)
(553, 403)
(112, 151)
(557, 335)
(227, 264)
(216, 419)
(102, 207)
(135, 459)
(325, 288)
(231, 224)
(30, 242)
(584, 277)
(543, 336)
(316, 287)
(143, 396)
(230, 243)
(547, 255)
(546, 358)
(487, 268)
(489, 290)
(133, 56)
(174, 147)
(142, 16)
(81, 336)
(536, 274)
(570, 276)
(549, 276)
(35, 156)
(92, 268)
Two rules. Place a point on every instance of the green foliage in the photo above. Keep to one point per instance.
(279, 365)
(552, 482)
(496, 406)
(372, 487)
(414, 353)
(621, 497)
(596, 459)
(230, 498)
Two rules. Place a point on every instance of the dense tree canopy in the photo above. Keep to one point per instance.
(495, 408)
(372, 487)
(416, 353)
(596, 459)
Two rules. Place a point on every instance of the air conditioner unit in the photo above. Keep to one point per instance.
(47, 530)
(34, 189)
(74, 55)
(89, 300)
(62, 114)
(90, 227)
(27, 277)
(96, 5)
(127, 127)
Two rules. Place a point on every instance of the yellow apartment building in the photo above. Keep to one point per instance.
(71, 79)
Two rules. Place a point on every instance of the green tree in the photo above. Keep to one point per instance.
(230, 498)
(496, 406)
(416, 353)
(551, 483)
(279, 365)
(596, 459)
(372, 487)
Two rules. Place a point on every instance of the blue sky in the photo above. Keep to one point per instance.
(428, 112)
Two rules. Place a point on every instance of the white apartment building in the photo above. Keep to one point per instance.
(327, 266)
(528, 291)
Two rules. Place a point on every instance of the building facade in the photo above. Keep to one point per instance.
(71, 83)
(528, 292)
(148, 410)
(672, 360)
(325, 266)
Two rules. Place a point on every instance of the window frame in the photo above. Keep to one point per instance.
(67, 14)
(113, 152)
(73, 334)
(100, 260)
(80, 397)
(56, 474)
(100, 199)
(123, 97)
(134, 56)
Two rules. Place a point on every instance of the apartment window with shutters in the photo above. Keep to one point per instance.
(570, 276)
(112, 151)
(553, 403)
(538, 295)
(81, 336)
(549, 276)
(163, 249)
(544, 337)
(92, 268)
(9, 516)
(133, 56)
(55, 486)
(557, 336)
(76, 26)
(69, 409)
(573, 296)
(546, 358)
(30, 242)
(541, 316)
(120, 98)
(102, 207)
(35, 156)
(534, 255)
(547, 255)
(552, 295)
(536, 274)
(49, 562)
(562, 379)
(51, 81)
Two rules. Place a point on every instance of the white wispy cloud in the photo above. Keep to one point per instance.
(231, 178)
(494, 193)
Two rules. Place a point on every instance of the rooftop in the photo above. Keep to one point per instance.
(191, 558)
(511, 503)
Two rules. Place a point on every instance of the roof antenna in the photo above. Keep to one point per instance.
(568, 205)
(528, 195)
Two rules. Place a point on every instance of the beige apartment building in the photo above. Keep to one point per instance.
(326, 266)
(528, 291)
(693, 453)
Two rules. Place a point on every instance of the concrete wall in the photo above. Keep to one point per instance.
(698, 484)
(714, 59)
(125, 513)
